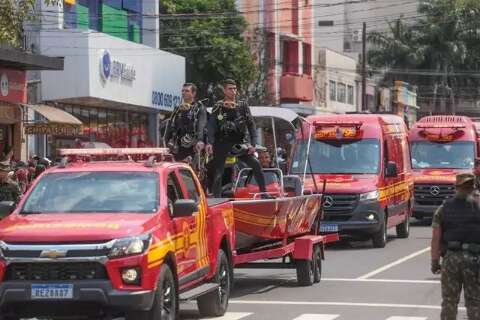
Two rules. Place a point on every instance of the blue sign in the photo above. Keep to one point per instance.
(105, 65)
(165, 101)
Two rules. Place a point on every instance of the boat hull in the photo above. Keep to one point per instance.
(261, 221)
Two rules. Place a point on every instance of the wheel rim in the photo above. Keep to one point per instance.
(318, 262)
(385, 233)
(223, 283)
(168, 300)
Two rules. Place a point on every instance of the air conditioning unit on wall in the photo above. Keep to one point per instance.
(357, 35)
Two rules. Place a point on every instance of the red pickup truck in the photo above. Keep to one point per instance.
(116, 238)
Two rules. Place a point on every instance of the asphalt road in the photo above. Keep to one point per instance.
(358, 283)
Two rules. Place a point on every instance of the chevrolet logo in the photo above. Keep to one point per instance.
(53, 254)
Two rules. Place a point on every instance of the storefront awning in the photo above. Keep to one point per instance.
(54, 115)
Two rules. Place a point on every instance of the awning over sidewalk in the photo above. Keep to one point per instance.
(60, 123)
(54, 115)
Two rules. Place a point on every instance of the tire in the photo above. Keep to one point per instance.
(403, 230)
(305, 272)
(317, 265)
(379, 239)
(165, 303)
(215, 303)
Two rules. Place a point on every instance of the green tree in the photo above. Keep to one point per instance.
(209, 34)
(13, 13)
(431, 52)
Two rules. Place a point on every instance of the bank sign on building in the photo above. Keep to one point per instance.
(101, 69)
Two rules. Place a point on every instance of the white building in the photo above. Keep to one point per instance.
(116, 81)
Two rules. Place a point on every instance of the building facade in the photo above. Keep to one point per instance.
(287, 34)
(116, 81)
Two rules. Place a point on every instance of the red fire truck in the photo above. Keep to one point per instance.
(364, 161)
(442, 147)
(99, 236)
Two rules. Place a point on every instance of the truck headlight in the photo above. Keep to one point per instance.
(129, 246)
(372, 195)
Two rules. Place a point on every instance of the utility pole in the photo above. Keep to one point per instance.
(364, 67)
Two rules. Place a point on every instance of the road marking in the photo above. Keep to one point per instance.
(382, 280)
(232, 316)
(393, 264)
(342, 304)
(406, 318)
(312, 316)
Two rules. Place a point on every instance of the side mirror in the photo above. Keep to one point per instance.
(184, 208)
(391, 170)
(6, 207)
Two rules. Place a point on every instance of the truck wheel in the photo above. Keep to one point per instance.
(403, 230)
(379, 239)
(165, 300)
(215, 303)
(317, 264)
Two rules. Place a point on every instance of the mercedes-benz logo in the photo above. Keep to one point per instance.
(328, 202)
(435, 190)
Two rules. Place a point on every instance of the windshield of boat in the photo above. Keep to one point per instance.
(94, 192)
(451, 155)
(342, 157)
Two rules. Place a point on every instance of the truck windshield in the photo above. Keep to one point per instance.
(352, 157)
(452, 155)
(94, 192)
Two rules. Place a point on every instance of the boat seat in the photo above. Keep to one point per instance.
(293, 184)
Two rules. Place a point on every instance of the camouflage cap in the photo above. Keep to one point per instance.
(5, 165)
(464, 178)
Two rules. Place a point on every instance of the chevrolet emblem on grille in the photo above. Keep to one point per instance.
(53, 254)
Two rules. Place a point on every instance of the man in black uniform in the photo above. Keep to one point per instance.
(230, 124)
(185, 132)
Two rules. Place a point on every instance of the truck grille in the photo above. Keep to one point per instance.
(433, 194)
(55, 271)
(339, 207)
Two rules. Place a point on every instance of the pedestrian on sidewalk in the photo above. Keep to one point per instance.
(456, 239)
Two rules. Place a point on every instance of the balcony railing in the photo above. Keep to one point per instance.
(296, 87)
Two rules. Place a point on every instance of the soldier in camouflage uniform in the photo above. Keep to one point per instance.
(456, 238)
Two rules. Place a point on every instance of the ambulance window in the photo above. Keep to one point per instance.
(190, 185)
(174, 192)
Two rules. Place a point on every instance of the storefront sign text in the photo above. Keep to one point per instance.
(113, 69)
(165, 101)
(53, 129)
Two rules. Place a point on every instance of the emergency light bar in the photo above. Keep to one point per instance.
(114, 152)
(441, 126)
(343, 124)
(337, 130)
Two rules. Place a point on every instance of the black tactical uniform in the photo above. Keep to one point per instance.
(232, 124)
(185, 128)
(459, 220)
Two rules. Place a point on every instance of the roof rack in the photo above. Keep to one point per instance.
(356, 124)
(440, 126)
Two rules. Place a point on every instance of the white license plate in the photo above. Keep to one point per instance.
(52, 291)
(326, 227)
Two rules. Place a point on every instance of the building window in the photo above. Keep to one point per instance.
(307, 59)
(350, 95)
(333, 91)
(290, 57)
(341, 92)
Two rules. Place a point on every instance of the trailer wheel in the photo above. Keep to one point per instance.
(165, 301)
(215, 303)
(306, 271)
(317, 264)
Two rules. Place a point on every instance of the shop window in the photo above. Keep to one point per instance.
(350, 95)
(333, 90)
(341, 92)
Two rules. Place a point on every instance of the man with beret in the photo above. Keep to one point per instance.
(456, 240)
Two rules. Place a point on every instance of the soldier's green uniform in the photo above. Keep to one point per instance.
(459, 220)
(10, 191)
